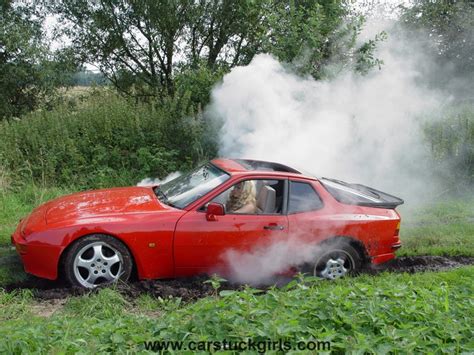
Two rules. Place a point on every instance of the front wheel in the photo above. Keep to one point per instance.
(335, 260)
(97, 259)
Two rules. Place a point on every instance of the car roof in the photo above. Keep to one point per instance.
(239, 166)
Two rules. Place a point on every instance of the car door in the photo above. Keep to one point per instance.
(202, 246)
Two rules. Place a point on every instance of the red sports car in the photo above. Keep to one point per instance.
(185, 226)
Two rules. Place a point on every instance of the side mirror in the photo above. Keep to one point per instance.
(213, 210)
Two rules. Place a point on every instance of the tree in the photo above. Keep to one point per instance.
(142, 46)
(309, 34)
(139, 45)
(28, 71)
(449, 25)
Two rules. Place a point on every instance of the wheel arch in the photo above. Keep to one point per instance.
(64, 252)
(353, 242)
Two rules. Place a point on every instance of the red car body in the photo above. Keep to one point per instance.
(167, 242)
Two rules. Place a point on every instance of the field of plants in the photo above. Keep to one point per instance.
(381, 312)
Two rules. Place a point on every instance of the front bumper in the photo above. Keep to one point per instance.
(39, 259)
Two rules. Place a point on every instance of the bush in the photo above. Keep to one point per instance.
(103, 141)
(452, 143)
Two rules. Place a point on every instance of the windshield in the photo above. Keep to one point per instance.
(189, 187)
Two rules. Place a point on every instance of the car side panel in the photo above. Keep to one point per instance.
(149, 237)
(373, 227)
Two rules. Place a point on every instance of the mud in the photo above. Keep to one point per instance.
(190, 289)
(412, 264)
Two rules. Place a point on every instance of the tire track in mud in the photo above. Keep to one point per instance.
(190, 289)
(412, 264)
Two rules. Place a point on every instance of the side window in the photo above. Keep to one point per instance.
(303, 198)
(253, 197)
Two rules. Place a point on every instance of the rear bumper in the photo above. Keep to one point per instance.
(388, 255)
(383, 258)
(38, 259)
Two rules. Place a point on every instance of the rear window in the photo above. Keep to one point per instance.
(349, 193)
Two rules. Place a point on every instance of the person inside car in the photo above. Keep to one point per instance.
(242, 198)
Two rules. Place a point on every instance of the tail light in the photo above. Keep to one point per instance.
(397, 233)
(397, 230)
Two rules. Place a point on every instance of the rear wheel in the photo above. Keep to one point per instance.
(336, 259)
(97, 259)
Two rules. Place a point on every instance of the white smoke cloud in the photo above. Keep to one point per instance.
(154, 182)
(361, 129)
(365, 129)
(262, 264)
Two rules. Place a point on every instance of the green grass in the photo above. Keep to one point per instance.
(443, 228)
(426, 312)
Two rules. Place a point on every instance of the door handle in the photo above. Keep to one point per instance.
(274, 227)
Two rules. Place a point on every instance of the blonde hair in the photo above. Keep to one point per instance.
(247, 196)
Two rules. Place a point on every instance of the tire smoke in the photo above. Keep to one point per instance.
(363, 129)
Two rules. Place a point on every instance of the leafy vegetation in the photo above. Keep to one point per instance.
(103, 141)
(417, 313)
(99, 138)
(451, 24)
(29, 72)
(451, 139)
(86, 77)
(135, 43)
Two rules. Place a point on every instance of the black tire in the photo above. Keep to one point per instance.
(337, 258)
(95, 260)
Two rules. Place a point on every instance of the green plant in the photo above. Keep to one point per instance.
(215, 281)
(104, 141)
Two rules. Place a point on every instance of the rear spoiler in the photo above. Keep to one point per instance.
(361, 195)
(387, 200)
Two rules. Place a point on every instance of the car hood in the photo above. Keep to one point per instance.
(102, 202)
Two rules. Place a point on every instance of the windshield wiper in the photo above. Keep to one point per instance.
(162, 197)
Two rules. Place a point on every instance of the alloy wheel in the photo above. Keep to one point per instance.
(97, 263)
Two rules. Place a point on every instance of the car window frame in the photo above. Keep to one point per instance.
(310, 183)
(284, 208)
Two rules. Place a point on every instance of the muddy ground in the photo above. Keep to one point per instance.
(190, 289)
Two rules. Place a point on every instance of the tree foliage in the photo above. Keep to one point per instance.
(139, 45)
(450, 26)
(142, 46)
(28, 71)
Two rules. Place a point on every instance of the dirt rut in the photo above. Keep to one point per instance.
(194, 288)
